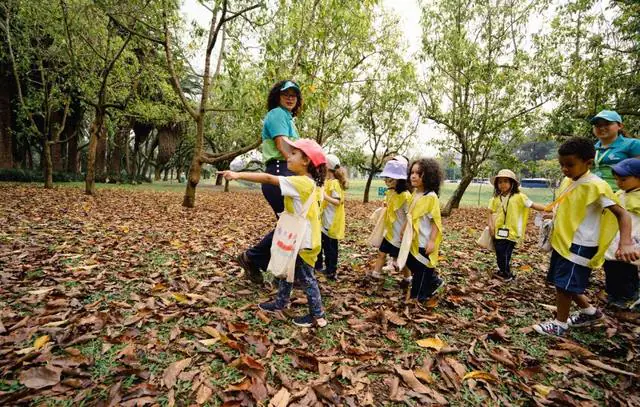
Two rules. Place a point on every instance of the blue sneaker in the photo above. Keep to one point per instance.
(269, 307)
(550, 328)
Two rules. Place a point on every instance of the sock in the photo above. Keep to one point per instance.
(562, 324)
(591, 310)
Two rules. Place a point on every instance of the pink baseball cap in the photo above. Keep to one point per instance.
(310, 148)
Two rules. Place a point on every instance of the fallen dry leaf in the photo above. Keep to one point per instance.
(172, 371)
(431, 343)
(476, 374)
(39, 377)
(281, 398)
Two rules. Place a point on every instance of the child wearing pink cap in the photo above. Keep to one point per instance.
(307, 161)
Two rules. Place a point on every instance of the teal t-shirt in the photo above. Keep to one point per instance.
(277, 122)
(621, 149)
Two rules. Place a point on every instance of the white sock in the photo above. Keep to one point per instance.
(562, 324)
(589, 310)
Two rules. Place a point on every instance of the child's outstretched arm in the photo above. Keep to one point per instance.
(259, 177)
(626, 249)
(539, 207)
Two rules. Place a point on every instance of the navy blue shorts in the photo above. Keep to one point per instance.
(387, 247)
(567, 275)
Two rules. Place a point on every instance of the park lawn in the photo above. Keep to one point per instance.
(129, 299)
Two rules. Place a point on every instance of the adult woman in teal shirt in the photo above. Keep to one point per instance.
(612, 146)
(283, 104)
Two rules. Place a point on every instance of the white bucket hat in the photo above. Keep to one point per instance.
(504, 173)
(333, 161)
(395, 170)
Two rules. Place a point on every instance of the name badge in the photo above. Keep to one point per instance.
(503, 232)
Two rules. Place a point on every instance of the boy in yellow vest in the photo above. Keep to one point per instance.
(580, 236)
(621, 278)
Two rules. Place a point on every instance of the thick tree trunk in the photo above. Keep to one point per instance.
(6, 138)
(95, 134)
(47, 164)
(367, 186)
(454, 201)
(189, 200)
(226, 185)
(120, 144)
(72, 153)
(57, 156)
(101, 157)
(219, 178)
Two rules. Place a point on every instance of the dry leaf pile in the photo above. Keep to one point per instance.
(128, 299)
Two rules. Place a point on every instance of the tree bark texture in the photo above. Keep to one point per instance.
(6, 142)
(454, 201)
(367, 187)
(47, 164)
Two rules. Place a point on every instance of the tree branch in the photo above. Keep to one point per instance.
(214, 158)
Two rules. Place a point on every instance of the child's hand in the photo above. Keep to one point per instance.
(230, 175)
(430, 247)
(627, 253)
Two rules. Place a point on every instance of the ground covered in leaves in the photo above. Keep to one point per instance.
(128, 299)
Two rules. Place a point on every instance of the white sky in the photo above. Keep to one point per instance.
(409, 14)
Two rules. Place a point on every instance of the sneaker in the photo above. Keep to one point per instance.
(308, 321)
(578, 319)
(250, 271)
(332, 276)
(439, 288)
(635, 306)
(269, 307)
(375, 275)
(405, 283)
(505, 277)
(550, 328)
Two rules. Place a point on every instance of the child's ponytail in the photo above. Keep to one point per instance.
(341, 175)
(318, 173)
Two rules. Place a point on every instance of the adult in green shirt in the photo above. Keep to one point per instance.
(612, 146)
(283, 104)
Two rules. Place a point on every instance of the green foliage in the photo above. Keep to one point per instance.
(23, 175)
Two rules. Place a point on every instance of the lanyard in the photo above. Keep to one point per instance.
(600, 157)
(505, 209)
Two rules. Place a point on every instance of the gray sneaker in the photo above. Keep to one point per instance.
(550, 328)
(578, 319)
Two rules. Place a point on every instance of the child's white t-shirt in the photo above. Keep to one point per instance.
(588, 232)
(329, 213)
(397, 227)
(288, 189)
(424, 227)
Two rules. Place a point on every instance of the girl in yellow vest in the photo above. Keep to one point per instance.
(332, 216)
(308, 162)
(424, 213)
(580, 236)
(396, 201)
(508, 218)
(621, 278)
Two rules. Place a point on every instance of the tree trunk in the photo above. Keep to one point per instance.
(368, 186)
(120, 143)
(6, 138)
(454, 201)
(219, 178)
(189, 200)
(47, 164)
(101, 157)
(72, 153)
(226, 185)
(56, 156)
(96, 130)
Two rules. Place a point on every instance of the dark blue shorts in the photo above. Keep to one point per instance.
(567, 275)
(387, 247)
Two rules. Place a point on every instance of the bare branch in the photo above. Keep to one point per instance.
(215, 158)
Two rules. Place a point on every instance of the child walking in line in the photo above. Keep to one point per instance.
(508, 218)
(396, 201)
(308, 164)
(332, 216)
(581, 235)
(621, 278)
(424, 218)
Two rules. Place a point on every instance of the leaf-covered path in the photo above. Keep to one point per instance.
(128, 299)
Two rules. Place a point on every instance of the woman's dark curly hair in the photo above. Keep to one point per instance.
(514, 187)
(273, 100)
(431, 174)
(318, 173)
